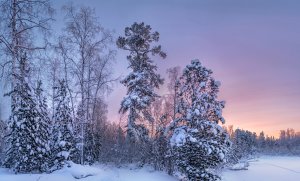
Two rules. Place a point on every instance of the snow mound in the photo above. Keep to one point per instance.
(179, 137)
(80, 171)
(240, 166)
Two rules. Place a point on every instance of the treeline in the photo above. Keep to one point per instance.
(247, 144)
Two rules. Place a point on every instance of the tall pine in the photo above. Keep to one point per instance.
(140, 83)
(143, 79)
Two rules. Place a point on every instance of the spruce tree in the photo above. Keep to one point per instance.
(28, 137)
(63, 147)
(44, 124)
(199, 144)
(3, 126)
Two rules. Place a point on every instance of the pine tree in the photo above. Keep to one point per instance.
(199, 144)
(27, 139)
(63, 148)
(143, 79)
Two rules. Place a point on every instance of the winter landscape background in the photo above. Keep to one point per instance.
(131, 90)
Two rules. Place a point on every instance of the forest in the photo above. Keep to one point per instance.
(57, 87)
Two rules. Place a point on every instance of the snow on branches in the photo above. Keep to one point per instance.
(199, 144)
(143, 79)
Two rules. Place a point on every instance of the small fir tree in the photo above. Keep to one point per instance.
(63, 147)
(199, 144)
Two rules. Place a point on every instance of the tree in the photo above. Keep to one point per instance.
(143, 79)
(43, 121)
(261, 140)
(20, 22)
(97, 136)
(199, 144)
(28, 137)
(85, 51)
(173, 74)
(160, 149)
(244, 143)
(53, 75)
(161, 157)
(63, 148)
(3, 126)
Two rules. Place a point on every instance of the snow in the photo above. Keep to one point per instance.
(202, 84)
(192, 139)
(92, 173)
(221, 155)
(178, 138)
(79, 171)
(65, 154)
(197, 112)
(267, 168)
(240, 166)
(62, 143)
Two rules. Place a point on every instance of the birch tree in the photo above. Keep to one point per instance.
(85, 47)
(21, 21)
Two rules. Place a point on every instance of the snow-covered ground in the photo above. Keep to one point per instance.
(265, 168)
(95, 173)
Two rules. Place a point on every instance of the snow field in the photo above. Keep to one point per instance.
(267, 168)
(91, 173)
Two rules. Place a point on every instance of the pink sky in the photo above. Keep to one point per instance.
(252, 47)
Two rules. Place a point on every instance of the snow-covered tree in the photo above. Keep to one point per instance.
(244, 143)
(199, 144)
(85, 51)
(160, 150)
(3, 126)
(63, 147)
(261, 141)
(143, 79)
(28, 137)
(43, 121)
